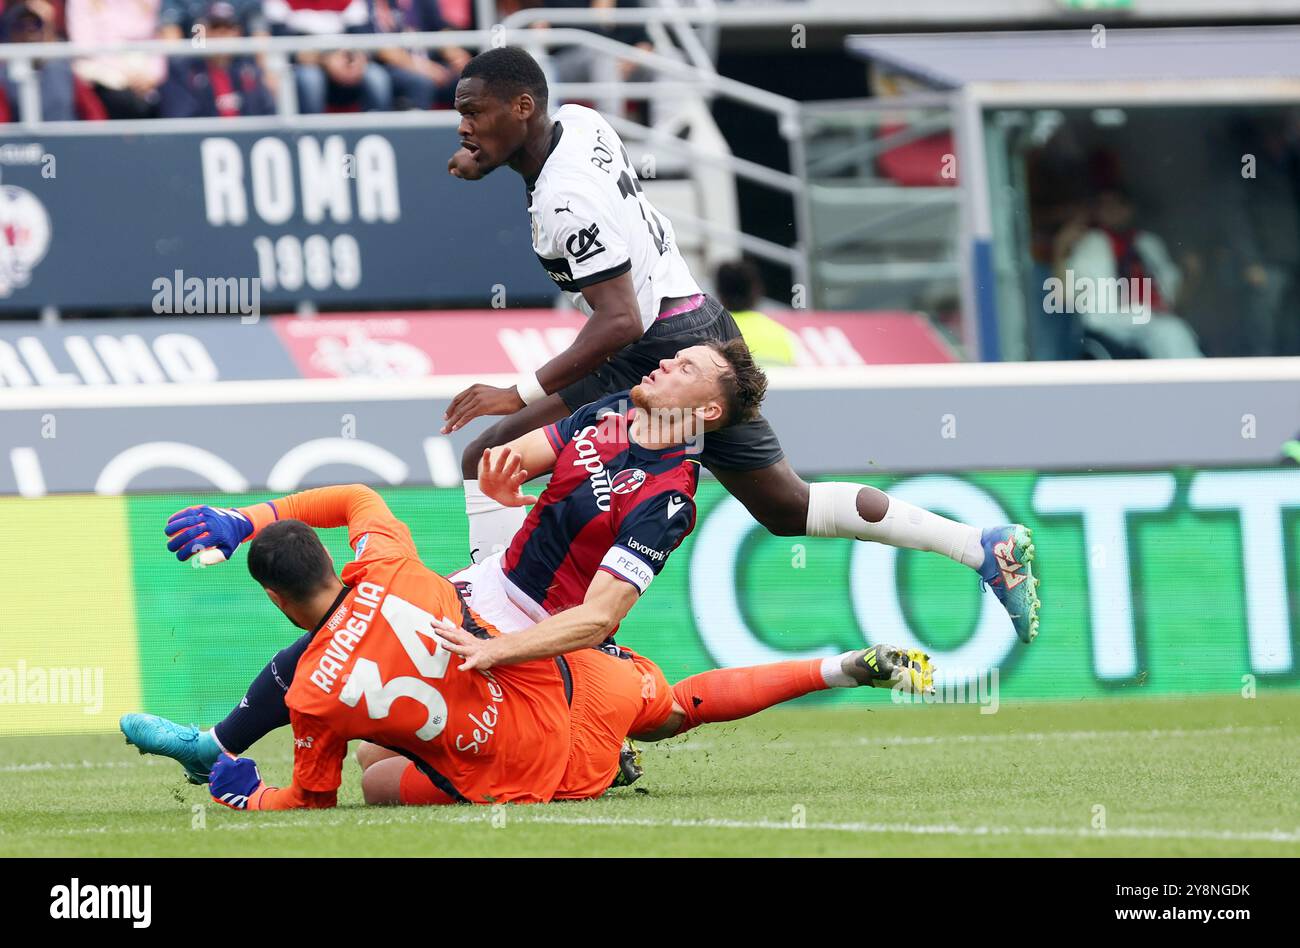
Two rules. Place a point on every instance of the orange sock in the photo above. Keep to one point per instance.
(730, 693)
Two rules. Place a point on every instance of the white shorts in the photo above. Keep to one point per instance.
(497, 600)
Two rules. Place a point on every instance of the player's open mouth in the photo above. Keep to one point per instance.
(470, 147)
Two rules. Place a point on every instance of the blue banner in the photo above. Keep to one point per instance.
(187, 223)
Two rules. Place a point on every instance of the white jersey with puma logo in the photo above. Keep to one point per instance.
(591, 221)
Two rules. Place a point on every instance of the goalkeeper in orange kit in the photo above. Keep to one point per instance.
(488, 727)
(620, 501)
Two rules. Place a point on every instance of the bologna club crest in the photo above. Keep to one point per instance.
(24, 237)
(625, 482)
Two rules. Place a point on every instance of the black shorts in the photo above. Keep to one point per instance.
(745, 447)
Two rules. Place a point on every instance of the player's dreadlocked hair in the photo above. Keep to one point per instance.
(288, 557)
(508, 71)
(744, 385)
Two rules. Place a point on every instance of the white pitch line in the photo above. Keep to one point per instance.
(920, 740)
(518, 815)
(40, 765)
(1153, 733)
(704, 745)
(911, 829)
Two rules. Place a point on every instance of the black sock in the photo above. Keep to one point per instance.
(263, 708)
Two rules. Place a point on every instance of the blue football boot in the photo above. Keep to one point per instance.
(1009, 571)
(196, 751)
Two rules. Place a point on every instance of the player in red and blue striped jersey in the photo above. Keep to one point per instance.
(621, 496)
(612, 504)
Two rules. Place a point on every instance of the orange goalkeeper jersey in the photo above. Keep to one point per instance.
(375, 671)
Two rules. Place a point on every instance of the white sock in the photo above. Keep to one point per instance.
(833, 672)
(833, 512)
(491, 526)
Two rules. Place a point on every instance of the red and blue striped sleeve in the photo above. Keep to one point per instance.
(648, 534)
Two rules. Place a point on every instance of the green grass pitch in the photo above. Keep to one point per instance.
(1206, 776)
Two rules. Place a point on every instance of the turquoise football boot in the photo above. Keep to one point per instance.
(196, 751)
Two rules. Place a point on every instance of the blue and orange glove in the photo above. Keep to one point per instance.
(235, 781)
(195, 529)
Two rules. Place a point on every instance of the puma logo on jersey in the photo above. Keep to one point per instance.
(1012, 569)
(585, 244)
(674, 505)
(561, 210)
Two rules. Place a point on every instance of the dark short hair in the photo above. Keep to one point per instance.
(508, 71)
(739, 285)
(743, 384)
(288, 556)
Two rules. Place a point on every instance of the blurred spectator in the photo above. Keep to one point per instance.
(126, 84)
(1054, 230)
(1114, 249)
(419, 81)
(178, 18)
(64, 97)
(1263, 232)
(459, 14)
(739, 290)
(50, 11)
(336, 80)
(211, 86)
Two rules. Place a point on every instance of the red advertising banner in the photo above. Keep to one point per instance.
(421, 344)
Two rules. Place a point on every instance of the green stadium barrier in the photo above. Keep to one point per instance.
(1153, 583)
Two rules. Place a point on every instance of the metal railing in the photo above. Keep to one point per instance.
(864, 13)
(877, 243)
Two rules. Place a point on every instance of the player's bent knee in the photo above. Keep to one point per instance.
(668, 729)
(369, 754)
(783, 527)
(786, 517)
(381, 783)
(775, 496)
(785, 510)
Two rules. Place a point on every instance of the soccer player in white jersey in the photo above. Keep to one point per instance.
(606, 246)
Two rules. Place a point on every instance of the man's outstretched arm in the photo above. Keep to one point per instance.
(503, 471)
(647, 536)
(614, 325)
(607, 603)
(355, 506)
